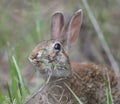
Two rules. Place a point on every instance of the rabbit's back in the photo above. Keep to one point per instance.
(90, 82)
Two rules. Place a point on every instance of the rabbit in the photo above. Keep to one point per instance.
(88, 81)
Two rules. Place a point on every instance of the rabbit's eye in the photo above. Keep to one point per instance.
(57, 46)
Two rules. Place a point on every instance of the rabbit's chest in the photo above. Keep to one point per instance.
(56, 93)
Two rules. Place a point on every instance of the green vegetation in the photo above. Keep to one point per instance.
(24, 23)
(16, 90)
(108, 91)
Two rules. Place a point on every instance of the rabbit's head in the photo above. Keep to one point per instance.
(51, 56)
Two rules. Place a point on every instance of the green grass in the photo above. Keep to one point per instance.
(108, 91)
(17, 89)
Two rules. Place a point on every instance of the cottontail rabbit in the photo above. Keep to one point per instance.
(87, 80)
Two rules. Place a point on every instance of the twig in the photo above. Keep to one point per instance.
(101, 37)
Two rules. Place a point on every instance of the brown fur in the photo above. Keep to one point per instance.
(87, 81)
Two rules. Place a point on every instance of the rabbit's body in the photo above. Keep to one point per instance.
(91, 86)
(87, 80)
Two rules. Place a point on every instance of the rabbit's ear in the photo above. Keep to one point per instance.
(74, 26)
(57, 23)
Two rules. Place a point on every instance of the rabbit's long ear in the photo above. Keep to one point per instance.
(57, 23)
(74, 26)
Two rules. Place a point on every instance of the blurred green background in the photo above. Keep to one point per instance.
(24, 23)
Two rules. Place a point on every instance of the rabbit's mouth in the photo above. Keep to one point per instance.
(55, 68)
(40, 63)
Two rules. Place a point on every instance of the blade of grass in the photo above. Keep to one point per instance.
(9, 93)
(38, 25)
(108, 91)
(101, 37)
(18, 71)
(21, 85)
(76, 97)
(16, 90)
(13, 86)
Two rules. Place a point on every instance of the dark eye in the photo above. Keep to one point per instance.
(57, 46)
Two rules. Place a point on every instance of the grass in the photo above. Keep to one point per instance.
(17, 89)
(75, 96)
(20, 36)
(108, 91)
